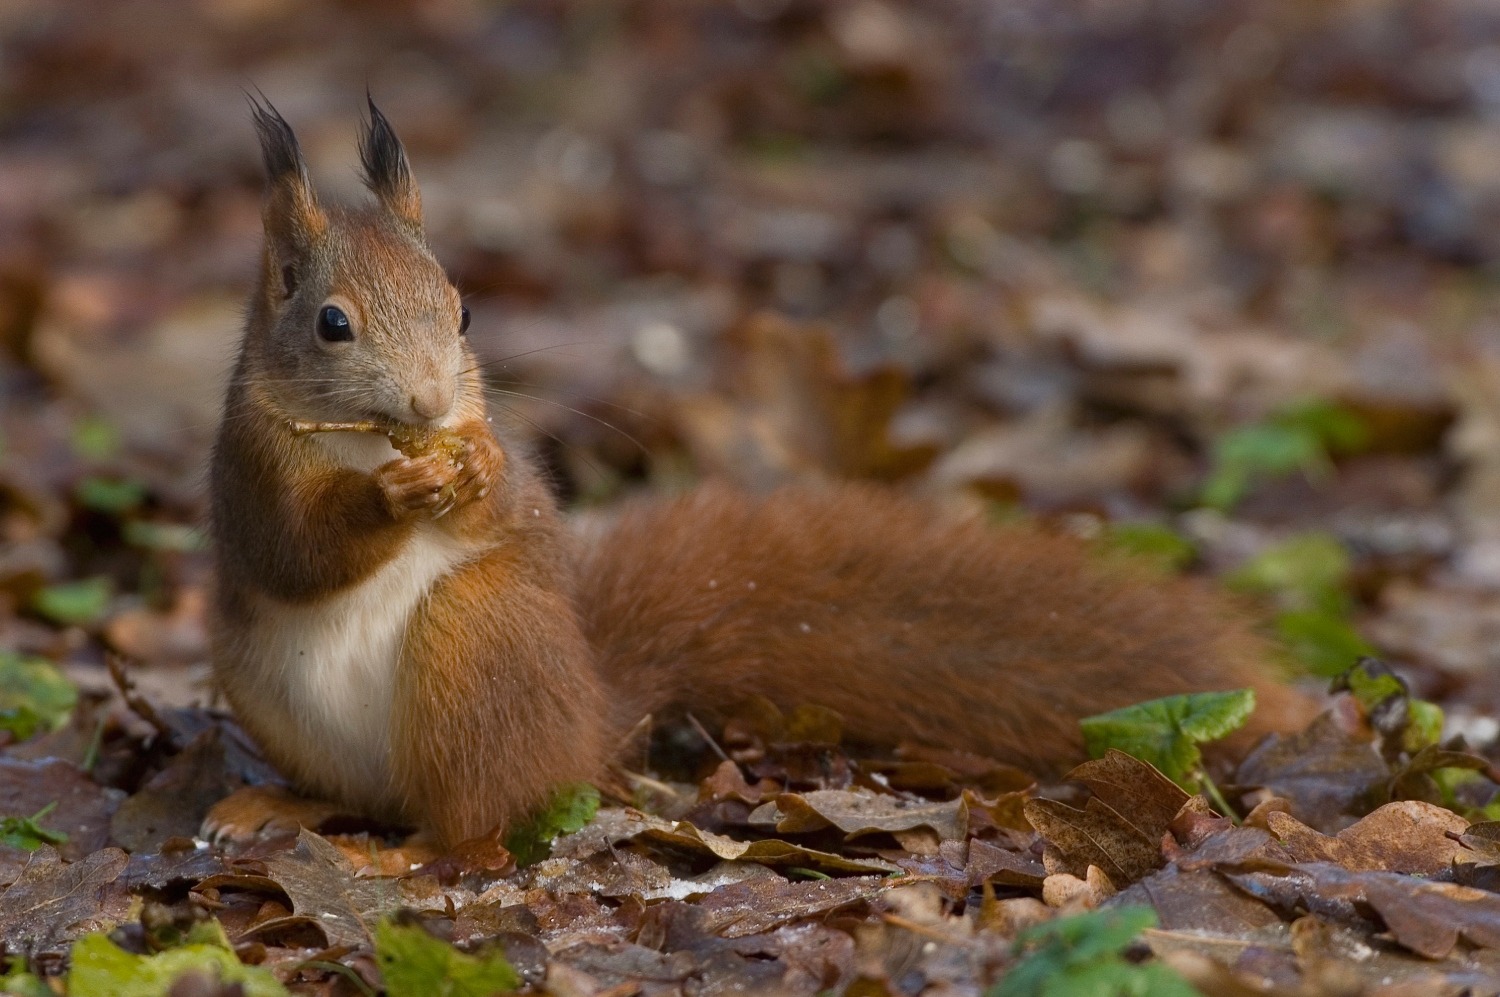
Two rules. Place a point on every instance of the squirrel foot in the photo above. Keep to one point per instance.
(263, 812)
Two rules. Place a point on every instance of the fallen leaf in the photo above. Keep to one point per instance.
(54, 902)
(1330, 776)
(83, 808)
(860, 812)
(324, 890)
(1409, 836)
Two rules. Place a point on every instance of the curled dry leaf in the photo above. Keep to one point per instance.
(1411, 837)
(858, 812)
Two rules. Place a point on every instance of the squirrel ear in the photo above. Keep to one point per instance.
(387, 172)
(292, 217)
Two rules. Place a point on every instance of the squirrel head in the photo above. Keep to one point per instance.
(354, 318)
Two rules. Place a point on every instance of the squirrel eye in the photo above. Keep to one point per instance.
(463, 319)
(333, 325)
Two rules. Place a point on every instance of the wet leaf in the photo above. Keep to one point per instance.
(1331, 776)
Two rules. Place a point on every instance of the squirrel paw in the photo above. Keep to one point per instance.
(262, 812)
(479, 470)
(413, 484)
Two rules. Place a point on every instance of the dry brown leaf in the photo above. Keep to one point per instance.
(53, 902)
(1101, 834)
(857, 812)
(1409, 836)
(1329, 776)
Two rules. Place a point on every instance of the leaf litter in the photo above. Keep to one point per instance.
(1251, 339)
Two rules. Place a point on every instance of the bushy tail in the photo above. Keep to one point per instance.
(990, 639)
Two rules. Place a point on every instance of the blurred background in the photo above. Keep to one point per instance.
(1213, 282)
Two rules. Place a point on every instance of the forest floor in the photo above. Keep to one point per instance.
(1212, 284)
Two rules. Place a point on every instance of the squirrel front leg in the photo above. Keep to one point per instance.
(497, 702)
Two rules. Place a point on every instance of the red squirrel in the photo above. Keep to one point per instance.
(417, 634)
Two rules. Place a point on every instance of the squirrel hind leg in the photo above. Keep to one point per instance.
(264, 812)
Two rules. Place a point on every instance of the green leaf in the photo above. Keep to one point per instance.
(1166, 732)
(74, 603)
(34, 695)
(1336, 427)
(415, 964)
(112, 496)
(25, 833)
(1424, 725)
(165, 536)
(1370, 683)
(101, 967)
(17, 980)
(1307, 576)
(1160, 544)
(1305, 572)
(1080, 956)
(572, 806)
(1324, 643)
(95, 439)
(1298, 438)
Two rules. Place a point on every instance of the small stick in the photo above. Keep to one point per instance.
(301, 427)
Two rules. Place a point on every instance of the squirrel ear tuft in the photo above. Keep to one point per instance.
(387, 172)
(292, 217)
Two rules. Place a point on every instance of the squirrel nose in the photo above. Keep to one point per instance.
(432, 402)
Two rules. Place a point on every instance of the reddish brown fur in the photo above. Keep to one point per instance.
(498, 702)
(521, 665)
(994, 639)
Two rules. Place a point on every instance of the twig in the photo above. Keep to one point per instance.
(135, 702)
(703, 733)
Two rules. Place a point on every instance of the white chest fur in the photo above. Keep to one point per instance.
(336, 662)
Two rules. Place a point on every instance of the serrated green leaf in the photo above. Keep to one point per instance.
(1080, 956)
(415, 964)
(34, 695)
(74, 603)
(1166, 732)
(100, 967)
(112, 496)
(572, 806)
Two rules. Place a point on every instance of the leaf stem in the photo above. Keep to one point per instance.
(1211, 790)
